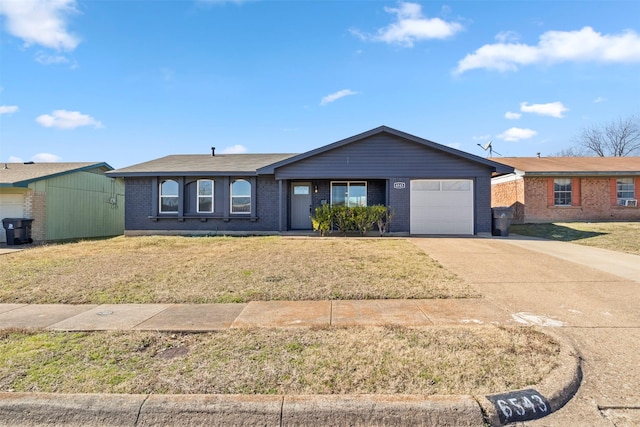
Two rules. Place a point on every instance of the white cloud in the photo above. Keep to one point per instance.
(411, 26)
(599, 100)
(46, 158)
(585, 45)
(41, 22)
(481, 137)
(13, 159)
(8, 109)
(553, 109)
(507, 36)
(234, 149)
(516, 134)
(512, 116)
(46, 59)
(63, 119)
(337, 95)
(455, 145)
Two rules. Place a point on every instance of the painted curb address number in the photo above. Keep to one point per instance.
(520, 405)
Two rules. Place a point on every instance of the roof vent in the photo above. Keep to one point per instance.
(213, 151)
(6, 166)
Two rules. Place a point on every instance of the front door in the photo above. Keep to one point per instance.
(300, 205)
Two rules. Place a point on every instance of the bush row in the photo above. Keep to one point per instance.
(351, 219)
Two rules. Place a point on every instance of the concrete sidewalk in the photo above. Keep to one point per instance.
(260, 314)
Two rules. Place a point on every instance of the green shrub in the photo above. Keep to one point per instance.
(358, 218)
(322, 219)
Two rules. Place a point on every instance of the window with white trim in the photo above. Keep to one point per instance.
(349, 194)
(169, 196)
(562, 191)
(205, 196)
(625, 190)
(241, 197)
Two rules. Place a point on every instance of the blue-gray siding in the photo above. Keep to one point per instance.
(382, 156)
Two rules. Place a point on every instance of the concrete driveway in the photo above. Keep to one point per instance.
(590, 296)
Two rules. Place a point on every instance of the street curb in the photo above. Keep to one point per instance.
(556, 389)
(48, 409)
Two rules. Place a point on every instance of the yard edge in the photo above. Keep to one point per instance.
(558, 387)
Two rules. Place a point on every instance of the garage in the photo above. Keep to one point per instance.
(441, 206)
(10, 207)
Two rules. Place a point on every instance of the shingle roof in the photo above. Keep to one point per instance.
(573, 165)
(21, 174)
(202, 164)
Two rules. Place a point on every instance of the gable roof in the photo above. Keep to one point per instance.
(22, 174)
(575, 166)
(266, 164)
(201, 164)
(497, 167)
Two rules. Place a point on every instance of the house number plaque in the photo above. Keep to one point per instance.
(520, 405)
(399, 185)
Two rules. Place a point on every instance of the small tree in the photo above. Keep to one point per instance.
(383, 217)
(618, 138)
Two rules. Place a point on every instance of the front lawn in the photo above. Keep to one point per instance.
(376, 360)
(616, 236)
(163, 269)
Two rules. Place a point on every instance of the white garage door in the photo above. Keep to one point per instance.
(10, 207)
(441, 206)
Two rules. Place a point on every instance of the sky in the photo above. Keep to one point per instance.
(127, 81)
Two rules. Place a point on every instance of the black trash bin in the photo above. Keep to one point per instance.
(18, 230)
(502, 217)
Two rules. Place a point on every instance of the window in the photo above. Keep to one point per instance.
(205, 195)
(301, 190)
(241, 197)
(625, 190)
(169, 196)
(562, 191)
(349, 194)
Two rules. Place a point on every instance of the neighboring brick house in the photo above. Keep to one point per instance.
(432, 189)
(551, 189)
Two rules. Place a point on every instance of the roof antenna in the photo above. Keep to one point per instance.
(488, 146)
(213, 151)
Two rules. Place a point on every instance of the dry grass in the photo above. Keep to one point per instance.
(223, 269)
(378, 360)
(616, 236)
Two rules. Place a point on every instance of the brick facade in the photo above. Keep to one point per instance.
(35, 207)
(482, 200)
(594, 200)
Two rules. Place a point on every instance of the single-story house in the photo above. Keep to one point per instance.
(550, 189)
(64, 200)
(432, 189)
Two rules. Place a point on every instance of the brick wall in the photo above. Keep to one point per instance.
(594, 204)
(35, 207)
(139, 207)
(482, 196)
(400, 202)
(510, 194)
